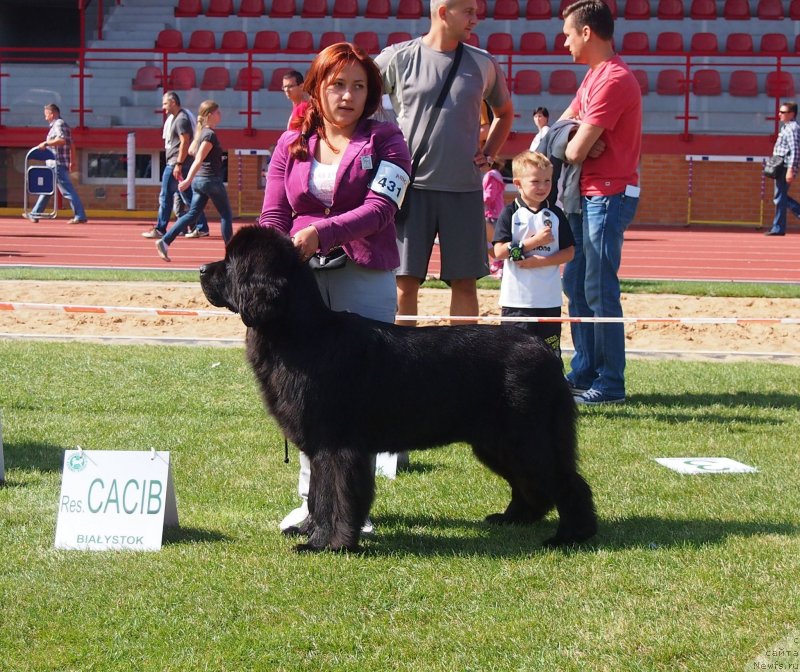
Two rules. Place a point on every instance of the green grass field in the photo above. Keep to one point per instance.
(687, 572)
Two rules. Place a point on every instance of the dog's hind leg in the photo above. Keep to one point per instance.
(529, 500)
(577, 517)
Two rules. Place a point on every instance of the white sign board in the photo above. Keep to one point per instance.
(115, 500)
(705, 465)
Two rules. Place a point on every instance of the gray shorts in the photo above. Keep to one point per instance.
(458, 219)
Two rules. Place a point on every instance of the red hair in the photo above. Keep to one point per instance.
(326, 67)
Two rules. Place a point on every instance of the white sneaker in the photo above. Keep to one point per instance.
(295, 517)
(367, 529)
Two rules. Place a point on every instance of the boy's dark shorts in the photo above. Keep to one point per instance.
(549, 332)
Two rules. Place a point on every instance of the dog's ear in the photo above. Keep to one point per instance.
(260, 300)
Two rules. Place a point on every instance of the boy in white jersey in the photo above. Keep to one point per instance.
(535, 238)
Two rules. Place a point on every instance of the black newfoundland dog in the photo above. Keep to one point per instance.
(343, 387)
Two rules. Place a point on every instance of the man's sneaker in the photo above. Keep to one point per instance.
(576, 390)
(197, 233)
(594, 398)
(30, 217)
(295, 517)
(161, 247)
(76, 220)
(153, 233)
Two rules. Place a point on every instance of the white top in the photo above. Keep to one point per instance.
(323, 180)
(537, 138)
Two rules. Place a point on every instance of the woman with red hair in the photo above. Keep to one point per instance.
(334, 185)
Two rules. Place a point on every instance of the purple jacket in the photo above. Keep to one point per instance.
(360, 220)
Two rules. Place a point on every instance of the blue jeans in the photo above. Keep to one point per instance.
(205, 188)
(782, 201)
(169, 186)
(67, 190)
(592, 288)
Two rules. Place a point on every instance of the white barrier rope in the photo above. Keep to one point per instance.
(181, 312)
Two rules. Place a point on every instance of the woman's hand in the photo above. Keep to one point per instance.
(183, 185)
(306, 242)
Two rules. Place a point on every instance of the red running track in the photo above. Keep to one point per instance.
(663, 252)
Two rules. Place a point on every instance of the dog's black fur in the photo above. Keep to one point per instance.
(343, 387)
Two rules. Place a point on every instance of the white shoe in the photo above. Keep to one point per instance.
(367, 529)
(295, 517)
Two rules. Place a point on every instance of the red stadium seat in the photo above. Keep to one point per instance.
(345, 9)
(635, 43)
(780, 84)
(743, 84)
(558, 44)
(794, 10)
(704, 43)
(368, 41)
(644, 82)
(669, 42)
(533, 43)
(769, 10)
(202, 42)
(267, 42)
(276, 79)
(481, 13)
(527, 83)
(233, 42)
(397, 37)
(220, 8)
(300, 42)
(670, 83)
(170, 40)
(562, 83)
(250, 79)
(538, 10)
(707, 83)
(378, 9)
(474, 40)
(637, 10)
(703, 10)
(148, 78)
(216, 78)
(739, 43)
(283, 9)
(506, 10)
(797, 44)
(774, 43)
(331, 37)
(670, 10)
(182, 78)
(736, 10)
(189, 8)
(500, 43)
(409, 9)
(314, 9)
(251, 9)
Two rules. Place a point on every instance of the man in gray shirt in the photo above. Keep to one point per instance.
(178, 134)
(446, 197)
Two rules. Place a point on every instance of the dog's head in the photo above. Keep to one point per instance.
(254, 276)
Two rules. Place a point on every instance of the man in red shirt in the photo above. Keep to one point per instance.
(607, 144)
(293, 88)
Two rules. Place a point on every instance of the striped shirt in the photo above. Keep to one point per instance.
(60, 129)
(788, 144)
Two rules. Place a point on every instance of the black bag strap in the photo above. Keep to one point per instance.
(437, 108)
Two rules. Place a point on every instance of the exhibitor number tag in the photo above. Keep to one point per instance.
(390, 181)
